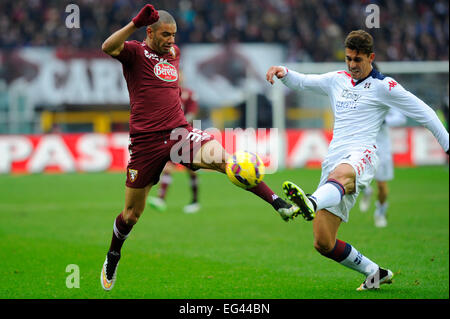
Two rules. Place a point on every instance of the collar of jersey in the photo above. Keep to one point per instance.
(374, 73)
(153, 51)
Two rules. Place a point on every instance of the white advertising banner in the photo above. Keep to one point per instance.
(92, 152)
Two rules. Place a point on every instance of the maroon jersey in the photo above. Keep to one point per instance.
(152, 81)
(188, 101)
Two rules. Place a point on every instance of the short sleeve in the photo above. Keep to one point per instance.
(128, 53)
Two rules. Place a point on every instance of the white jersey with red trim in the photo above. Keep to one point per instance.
(360, 107)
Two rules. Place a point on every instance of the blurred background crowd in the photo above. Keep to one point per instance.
(412, 30)
(56, 79)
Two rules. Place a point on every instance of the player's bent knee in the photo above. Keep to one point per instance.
(323, 246)
(131, 215)
(344, 174)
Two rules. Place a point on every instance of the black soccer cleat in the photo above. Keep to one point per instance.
(109, 270)
(296, 195)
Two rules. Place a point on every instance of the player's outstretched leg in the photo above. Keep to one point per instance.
(286, 210)
(217, 162)
(123, 224)
(327, 195)
(298, 196)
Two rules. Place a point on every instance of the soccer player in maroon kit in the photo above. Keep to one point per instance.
(158, 127)
(190, 107)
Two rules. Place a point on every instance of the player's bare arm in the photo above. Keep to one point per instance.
(277, 71)
(115, 43)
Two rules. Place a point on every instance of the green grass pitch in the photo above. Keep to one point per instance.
(236, 247)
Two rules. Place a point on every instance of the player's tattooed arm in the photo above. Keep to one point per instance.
(115, 43)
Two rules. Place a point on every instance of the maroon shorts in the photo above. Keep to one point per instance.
(150, 152)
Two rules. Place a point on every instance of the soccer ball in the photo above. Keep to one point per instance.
(245, 169)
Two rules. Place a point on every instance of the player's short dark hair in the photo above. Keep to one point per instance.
(360, 41)
(164, 17)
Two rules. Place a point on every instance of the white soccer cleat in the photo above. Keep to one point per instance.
(286, 210)
(191, 208)
(382, 276)
(380, 216)
(364, 202)
(109, 271)
(157, 203)
(289, 212)
(380, 221)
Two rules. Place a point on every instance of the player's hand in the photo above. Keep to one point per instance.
(277, 71)
(147, 16)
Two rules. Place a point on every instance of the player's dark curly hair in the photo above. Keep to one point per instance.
(360, 41)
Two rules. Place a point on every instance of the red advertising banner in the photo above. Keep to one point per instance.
(92, 152)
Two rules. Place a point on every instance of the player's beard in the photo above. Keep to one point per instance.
(164, 48)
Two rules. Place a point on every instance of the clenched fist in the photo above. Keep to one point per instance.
(147, 16)
(278, 71)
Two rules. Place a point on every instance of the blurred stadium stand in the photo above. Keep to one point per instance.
(305, 31)
(312, 30)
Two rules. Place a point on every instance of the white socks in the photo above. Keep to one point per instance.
(381, 208)
(348, 256)
(328, 195)
(357, 261)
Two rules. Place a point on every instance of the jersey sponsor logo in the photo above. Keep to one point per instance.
(350, 95)
(166, 72)
(346, 105)
(350, 102)
(132, 173)
(392, 84)
(153, 56)
(367, 85)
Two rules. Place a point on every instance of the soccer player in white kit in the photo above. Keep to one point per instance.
(385, 170)
(360, 99)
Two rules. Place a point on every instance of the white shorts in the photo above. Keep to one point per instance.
(385, 169)
(364, 161)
